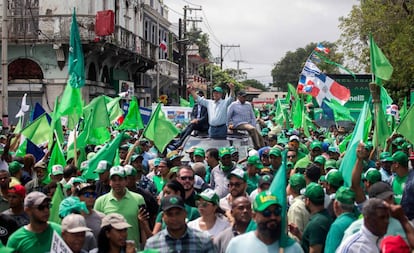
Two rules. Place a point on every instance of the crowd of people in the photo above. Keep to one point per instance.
(214, 202)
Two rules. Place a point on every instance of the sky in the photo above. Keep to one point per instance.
(265, 30)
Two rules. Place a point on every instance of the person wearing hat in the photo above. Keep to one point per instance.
(334, 180)
(240, 116)
(385, 163)
(86, 193)
(371, 176)
(253, 167)
(219, 174)
(237, 186)
(330, 164)
(265, 180)
(161, 174)
(241, 211)
(102, 185)
(121, 200)
(73, 232)
(199, 155)
(314, 235)
(294, 144)
(114, 234)
(16, 196)
(343, 207)
(267, 212)
(275, 156)
(291, 156)
(37, 184)
(169, 239)
(315, 150)
(216, 109)
(212, 220)
(15, 170)
(198, 121)
(297, 214)
(400, 168)
(142, 180)
(174, 158)
(333, 153)
(37, 235)
(56, 174)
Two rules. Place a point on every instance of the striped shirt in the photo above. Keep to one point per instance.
(192, 241)
(217, 110)
(239, 113)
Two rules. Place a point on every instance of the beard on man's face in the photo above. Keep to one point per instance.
(270, 229)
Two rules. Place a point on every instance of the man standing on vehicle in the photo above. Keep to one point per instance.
(240, 116)
(217, 110)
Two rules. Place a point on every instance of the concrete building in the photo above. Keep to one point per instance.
(121, 43)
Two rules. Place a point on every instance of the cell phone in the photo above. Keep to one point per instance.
(142, 206)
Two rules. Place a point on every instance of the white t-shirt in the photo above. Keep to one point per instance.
(221, 224)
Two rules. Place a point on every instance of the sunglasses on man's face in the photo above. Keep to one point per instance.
(268, 213)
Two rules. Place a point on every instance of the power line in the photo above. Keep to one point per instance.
(207, 25)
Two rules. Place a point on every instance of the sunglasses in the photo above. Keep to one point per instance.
(234, 184)
(203, 204)
(184, 178)
(267, 213)
(291, 156)
(90, 194)
(43, 206)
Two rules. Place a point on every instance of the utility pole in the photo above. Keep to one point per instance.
(221, 53)
(4, 66)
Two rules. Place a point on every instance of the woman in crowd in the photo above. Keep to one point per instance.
(212, 220)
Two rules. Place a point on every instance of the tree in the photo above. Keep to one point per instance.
(253, 83)
(392, 25)
(288, 69)
(201, 39)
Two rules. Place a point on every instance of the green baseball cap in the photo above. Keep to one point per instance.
(224, 151)
(315, 144)
(157, 161)
(255, 161)
(239, 173)
(333, 149)
(265, 131)
(322, 178)
(320, 159)
(118, 171)
(209, 195)
(275, 152)
(102, 166)
(315, 193)
(398, 141)
(218, 89)
(368, 145)
(174, 155)
(330, 164)
(297, 181)
(199, 152)
(15, 166)
(233, 150)
(345, 195)
(334, 177)
(372, 175)
(401, 158)
(130, 170)
(263, 200)
(57, 169)
(265, 179)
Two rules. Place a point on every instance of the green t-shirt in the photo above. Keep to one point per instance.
(128, 207)
(23, 240)
(337, 230)
(192, 214)
(159, 183)
(398, 185)
(316, 230)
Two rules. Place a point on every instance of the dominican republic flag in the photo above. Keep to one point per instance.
(163, 46)
(393, 111)
(321, 48)
(312, 81)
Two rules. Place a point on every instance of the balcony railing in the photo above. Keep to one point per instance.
(168, 68)
(56, 29)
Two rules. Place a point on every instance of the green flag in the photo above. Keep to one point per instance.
(56, 124)
(348, 162)
(380, 66)
(404, 108)
(38, 131)
(184, 102)
(95, 127)
(342, 146)
(56, 200)
(278, 188)
(21, 150)
(107, 153)
(56, 157)
(76, 59)
(113, 108)
(191, 99)
(406, 126)
(71, 105)
(385, 98)
(297, 111)
(159, 129)
(133, 120)
(340, 112)
(381, 130)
